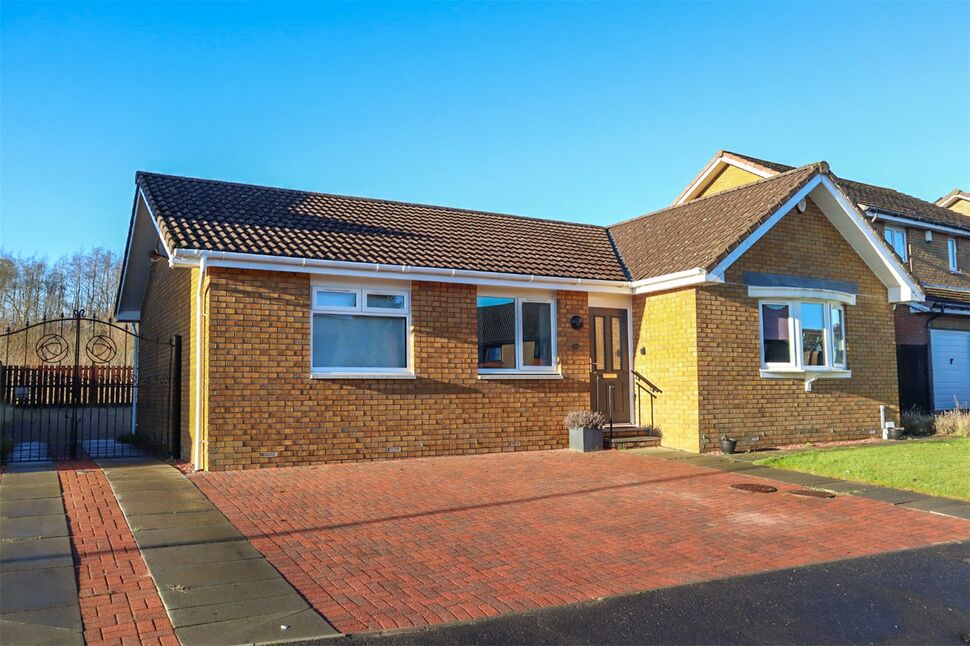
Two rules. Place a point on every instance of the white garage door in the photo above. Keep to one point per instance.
(951, 368)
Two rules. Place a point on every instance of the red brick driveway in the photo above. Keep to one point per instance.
(408, 543)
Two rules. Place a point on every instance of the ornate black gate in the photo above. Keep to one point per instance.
(78, 387)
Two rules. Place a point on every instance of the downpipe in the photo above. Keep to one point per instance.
(199, 329)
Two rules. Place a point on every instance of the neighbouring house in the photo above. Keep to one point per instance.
(956, 200)
(933, 240)
(324, 328)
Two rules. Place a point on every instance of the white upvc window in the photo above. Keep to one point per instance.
(801, 336)
(360, 332)
(516, 335)
(896, 237)
(951, 250)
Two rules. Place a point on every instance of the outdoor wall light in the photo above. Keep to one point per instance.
(576, 322)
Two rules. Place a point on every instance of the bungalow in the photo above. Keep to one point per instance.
(324, 328)
(933, 240)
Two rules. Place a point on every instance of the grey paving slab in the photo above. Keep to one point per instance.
(139, 522)
(33, 527)
(220, 612)
(42, 476)
(46, 469)
(933, 503)
(65, 617)
(895, 496)
(794, 477)
(842, 487)
(178, 494)
(190, 576)
(193, 596)
(265, 629)
(29, 491)
(237, 550)
(190, 535)
(13, 632)
(30, 507)
(161, 506)
(37, 589)
(131, 485)
(36, 554)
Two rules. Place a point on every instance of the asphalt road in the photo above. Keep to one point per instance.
(912, 597)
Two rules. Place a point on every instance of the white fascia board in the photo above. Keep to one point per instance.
(696, 276)
(802, 293)
(151, 216)
(773, 219)
(867, 243)
(190, 258)
(918, 224)
(701, 181)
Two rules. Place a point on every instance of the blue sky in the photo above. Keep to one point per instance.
(584, 112)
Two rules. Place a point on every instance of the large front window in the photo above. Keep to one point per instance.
(516, 334)
(359, 330)
(800, 335)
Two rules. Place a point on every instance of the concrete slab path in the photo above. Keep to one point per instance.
(216, 588)
(38, 587)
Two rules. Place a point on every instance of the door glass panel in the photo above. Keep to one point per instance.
(599, 343)
(774, 322)
(537, 334)
(813, 334)
(617, 343)
(496, 332)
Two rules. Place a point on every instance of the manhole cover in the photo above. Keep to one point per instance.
(756, 488)
(811, 493)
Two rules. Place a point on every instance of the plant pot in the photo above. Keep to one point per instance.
(586, 439)
(728, 445)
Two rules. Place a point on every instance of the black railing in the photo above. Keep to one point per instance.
(643, 385)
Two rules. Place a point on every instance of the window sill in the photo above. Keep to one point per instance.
(800, 373)
(362, 375)
(519, 375)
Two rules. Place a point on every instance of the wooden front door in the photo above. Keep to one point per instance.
(609, 362)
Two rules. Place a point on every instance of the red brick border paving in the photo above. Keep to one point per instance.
(119, 602)
(425, 541)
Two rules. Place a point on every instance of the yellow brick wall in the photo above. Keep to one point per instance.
(961, 206)
(165, 313)
(261, 397)
(665, 352)
(729, 177)
(736, 401)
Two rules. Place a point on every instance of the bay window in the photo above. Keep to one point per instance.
(802, 336)
(516, 334)
(359, 331)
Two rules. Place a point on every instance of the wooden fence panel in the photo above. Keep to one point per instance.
(31, 386)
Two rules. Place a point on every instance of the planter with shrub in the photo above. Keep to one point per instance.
(728, 444)
(585, 430)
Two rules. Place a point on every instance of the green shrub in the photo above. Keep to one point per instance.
(954, 422)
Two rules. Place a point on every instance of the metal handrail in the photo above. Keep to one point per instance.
(644, 385)
(646, 381)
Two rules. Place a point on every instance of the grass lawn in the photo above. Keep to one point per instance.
(938, 467)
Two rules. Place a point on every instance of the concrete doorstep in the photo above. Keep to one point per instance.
(38, 587)
(216, 588)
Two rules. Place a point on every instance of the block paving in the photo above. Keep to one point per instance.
(118, 599)
(400, 544)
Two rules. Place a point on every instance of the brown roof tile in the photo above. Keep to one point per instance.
(882, 199)
(223, 216)
(946, 295)
(702, 232)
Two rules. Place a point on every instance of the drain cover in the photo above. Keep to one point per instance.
(756, 488)
(811, 493)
